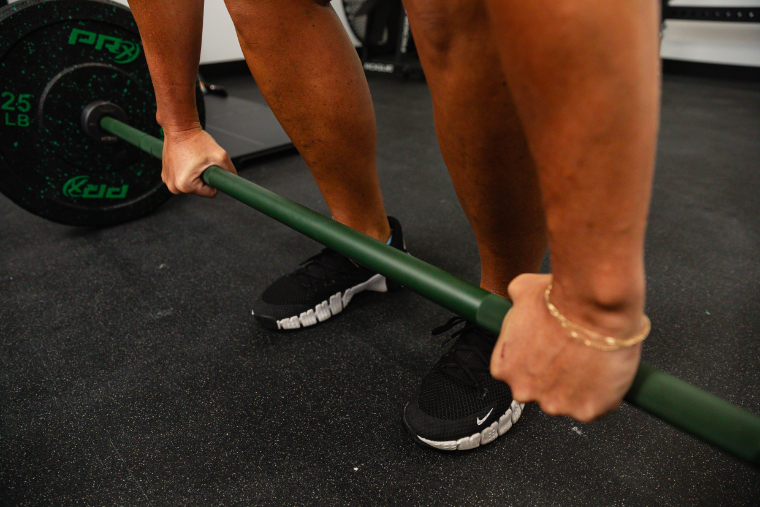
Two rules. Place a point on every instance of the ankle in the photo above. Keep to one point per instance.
(380, 231)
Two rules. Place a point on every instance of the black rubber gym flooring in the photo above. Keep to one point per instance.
(132, 372)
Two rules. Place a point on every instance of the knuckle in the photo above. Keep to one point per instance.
(526, 281)
(515, 287)
(551, 407)
(584, 415)
(594, 409)
(521, 394)
(184, 187)
(498, 366)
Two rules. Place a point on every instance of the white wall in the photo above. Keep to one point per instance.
(698, 41)
(712, 41)
(220, 43)
(338, 6)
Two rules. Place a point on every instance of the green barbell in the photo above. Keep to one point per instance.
(722, 424)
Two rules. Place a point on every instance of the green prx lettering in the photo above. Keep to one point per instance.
(124, 50)
(80, 187)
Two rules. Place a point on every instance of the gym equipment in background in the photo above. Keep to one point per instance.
(383, 29)
(710, 13)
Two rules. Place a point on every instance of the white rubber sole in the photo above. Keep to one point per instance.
(333, 306)
(489, 434)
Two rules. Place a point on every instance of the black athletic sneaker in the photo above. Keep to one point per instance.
(322, 287)
(459, 405)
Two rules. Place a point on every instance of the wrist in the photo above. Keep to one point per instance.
(180, 131)
(610, 306)
(591, 338)
(178, 122)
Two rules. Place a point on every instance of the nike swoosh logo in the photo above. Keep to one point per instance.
(481, 421)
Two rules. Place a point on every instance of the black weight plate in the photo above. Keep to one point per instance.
(56, 57)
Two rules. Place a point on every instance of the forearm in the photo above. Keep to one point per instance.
(585, 76)
(171, 34)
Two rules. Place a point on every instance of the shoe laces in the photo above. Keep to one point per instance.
(323, 266)
(470, 356)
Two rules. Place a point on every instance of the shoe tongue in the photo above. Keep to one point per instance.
(326, 262)
(480, 338)
(470, 358)
(477, 338)
(331, 260)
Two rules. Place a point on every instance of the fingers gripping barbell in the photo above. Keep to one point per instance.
(61, 161)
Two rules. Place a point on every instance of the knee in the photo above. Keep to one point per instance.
(240, 11)
(440, 26)
(243, 6)
(432, 24)
(258, 14)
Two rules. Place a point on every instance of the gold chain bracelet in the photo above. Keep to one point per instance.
(590, 338)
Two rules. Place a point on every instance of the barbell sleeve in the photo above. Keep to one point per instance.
(726, 426)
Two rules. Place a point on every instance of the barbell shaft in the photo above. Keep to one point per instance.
(724, 425)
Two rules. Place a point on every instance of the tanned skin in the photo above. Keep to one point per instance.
(310, 75)
(564, 151)
(546, 114)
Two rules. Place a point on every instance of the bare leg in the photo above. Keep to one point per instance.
(481, 137)
(585, 75)
(311, 77)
